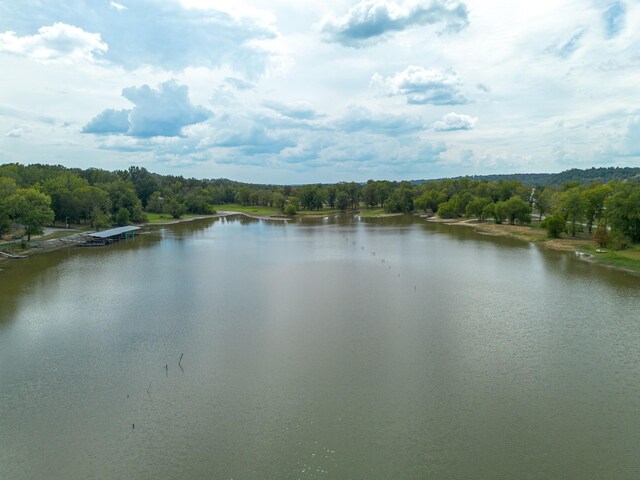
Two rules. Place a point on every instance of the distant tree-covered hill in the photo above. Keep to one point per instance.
(586, 177)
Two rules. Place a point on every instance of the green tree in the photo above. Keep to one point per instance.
(123, 195)
(500, 212)
(353, 191)
(175, 208)
(401, 200)
(342, 200)
(593, 200)
(332, 194)
(155, 203)
(8, 187)
(196, 200)
(32, 209)
(243, 196)
(370, 194)
(554, 225)
(601, 236)
(100, 219)
(450, 208)
(89, 201)
(291, 209)
(518, 209)
(623, 211)
(145, 183)
(542, 200)
(489, 211)
(430, 200)
(278, 200)
(122, 217)
(475, 208)
(570, 184)
(572, 206)
(63, 201)
(265, 197)
(311, 197)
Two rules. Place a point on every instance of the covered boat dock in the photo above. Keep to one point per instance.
(112, 235)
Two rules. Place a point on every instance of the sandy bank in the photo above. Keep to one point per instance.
(381, 215)
(220, 214)
(540, 237)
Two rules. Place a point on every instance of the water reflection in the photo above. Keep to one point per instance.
(337, 348)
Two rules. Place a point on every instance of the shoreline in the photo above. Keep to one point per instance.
(540, 237)
(519, 232)
(59, 246)
(220, 214)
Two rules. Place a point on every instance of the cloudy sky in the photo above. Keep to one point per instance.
(302, 91)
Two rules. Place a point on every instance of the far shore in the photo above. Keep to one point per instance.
(219, 214)
(626, 260)
(61, 245)
(521, 232)
(585, 247)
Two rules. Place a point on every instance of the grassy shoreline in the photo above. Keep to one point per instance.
(153, 219)
(627, 260)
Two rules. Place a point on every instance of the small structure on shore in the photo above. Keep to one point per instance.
(113, 235)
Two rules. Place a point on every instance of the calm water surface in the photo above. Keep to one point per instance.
(337, 349)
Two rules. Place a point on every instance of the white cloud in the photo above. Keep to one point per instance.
(16, 132)
(422, 86)
(358, 118)
(371, 20)
(567, 47)
(118, 6)
(631, 141)
(165, 34)
(161, 112)
(297, 110)
(555, 82)
(237, 9)
(58, 42)
(454, 121)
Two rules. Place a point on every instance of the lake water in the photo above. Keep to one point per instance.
(336, 348)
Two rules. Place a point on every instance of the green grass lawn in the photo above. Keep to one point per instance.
(52, 236)
(371, 212)
(258, 210)
(165, 217)
(628, 258)
(11, 248)
(324, 211)
(61, 234)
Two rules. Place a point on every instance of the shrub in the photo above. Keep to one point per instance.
(290, 209)
(554, 225)
(601, 235)
(618, 241)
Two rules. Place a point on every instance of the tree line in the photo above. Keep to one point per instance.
(584, 176)
(37, 195)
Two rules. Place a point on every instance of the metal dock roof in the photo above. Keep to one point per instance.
(113, 232)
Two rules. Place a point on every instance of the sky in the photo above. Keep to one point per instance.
(276, 91)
